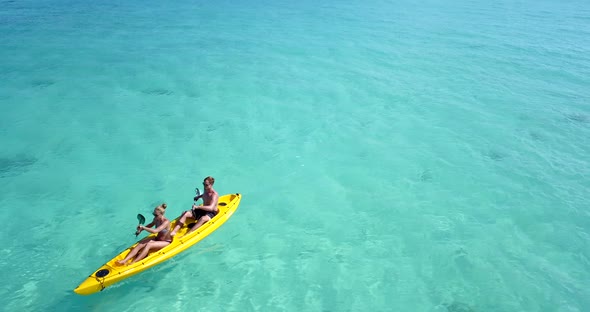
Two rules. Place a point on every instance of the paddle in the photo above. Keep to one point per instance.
(141, 220)
(198, 194)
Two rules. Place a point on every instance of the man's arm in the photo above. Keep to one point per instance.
(211, 207)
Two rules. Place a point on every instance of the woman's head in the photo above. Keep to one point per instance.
(159, 210)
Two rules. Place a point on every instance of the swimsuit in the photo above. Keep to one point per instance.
(162, 233)
(198, 213)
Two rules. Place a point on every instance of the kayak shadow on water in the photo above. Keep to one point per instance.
(16, 165)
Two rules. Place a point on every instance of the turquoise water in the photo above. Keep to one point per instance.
(393, 156)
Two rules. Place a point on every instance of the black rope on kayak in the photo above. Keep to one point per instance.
(100, 276)
(101, 281)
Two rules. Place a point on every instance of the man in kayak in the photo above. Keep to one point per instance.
(201, 213)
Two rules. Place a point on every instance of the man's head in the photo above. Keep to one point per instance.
(208, 183)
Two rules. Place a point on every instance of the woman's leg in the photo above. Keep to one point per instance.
(134, 251)
(153, 245)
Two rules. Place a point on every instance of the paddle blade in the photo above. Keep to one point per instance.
(198, 192)
(140, 218)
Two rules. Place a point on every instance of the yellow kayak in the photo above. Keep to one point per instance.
(111, 273)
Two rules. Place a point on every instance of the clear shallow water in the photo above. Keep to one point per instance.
(392, 155)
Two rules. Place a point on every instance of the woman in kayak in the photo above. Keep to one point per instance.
(161, 240)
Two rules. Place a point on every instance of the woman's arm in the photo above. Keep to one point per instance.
(158, 229)
(141, 227)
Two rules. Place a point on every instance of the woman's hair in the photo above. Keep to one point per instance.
(162, 208)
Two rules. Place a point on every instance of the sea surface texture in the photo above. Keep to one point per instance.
(392, 155)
